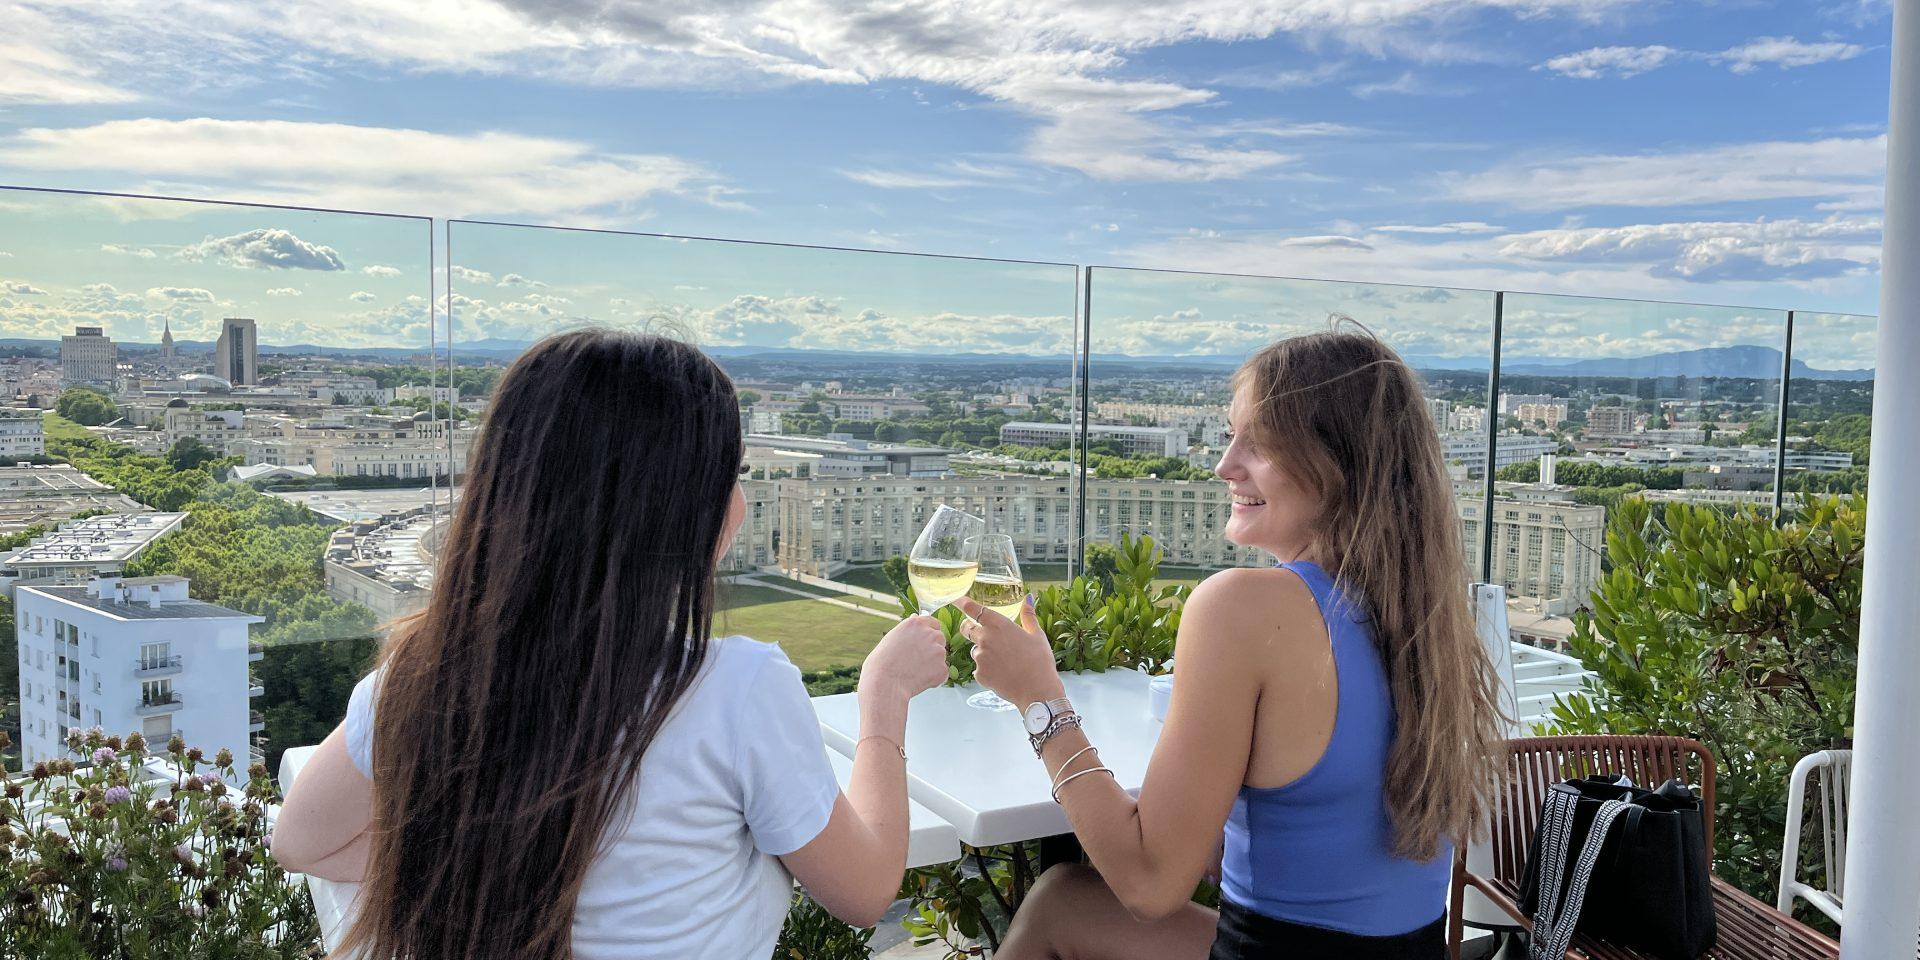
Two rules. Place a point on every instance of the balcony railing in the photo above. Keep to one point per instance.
(256, 721)
(156, 666)
(256, 651)
(162, 703)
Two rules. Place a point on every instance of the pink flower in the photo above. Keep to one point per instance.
(118, 795)
(103, 756)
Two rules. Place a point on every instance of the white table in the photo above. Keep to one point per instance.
(974, 767)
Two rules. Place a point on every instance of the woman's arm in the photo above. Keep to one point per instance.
(1152, 852)
(322, 826)
(854, 866)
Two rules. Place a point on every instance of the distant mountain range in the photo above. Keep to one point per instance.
(1755, 362)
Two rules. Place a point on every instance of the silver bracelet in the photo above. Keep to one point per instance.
(1082, 752)
(1062, 783)
(1059, 723)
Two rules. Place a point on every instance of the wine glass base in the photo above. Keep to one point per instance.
(988, 700)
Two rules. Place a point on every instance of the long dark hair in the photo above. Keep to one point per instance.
(571, 608)
(1343, 415)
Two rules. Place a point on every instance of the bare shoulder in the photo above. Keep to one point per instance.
(1246, 603)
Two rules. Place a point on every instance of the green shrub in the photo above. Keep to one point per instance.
(1742, 633)
(99, 862)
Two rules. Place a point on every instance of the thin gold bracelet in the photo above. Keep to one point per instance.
(897, 748)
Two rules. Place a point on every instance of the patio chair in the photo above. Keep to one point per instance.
(1830, 770)
(1748, 928)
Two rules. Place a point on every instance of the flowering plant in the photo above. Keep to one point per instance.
(136, 855)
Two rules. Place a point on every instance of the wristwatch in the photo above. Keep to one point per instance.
(1040, 717)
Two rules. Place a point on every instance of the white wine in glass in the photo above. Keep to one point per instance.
(998, 587)
(944, 559)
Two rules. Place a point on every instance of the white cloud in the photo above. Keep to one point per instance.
(1280, 81)
(379, 270)
(141, 252)
(1610, 61)
(516, 280)
(1838, 168)
(1455, 227)
(34, 67)
(907, 180)
(181, 294)
(285, 292)
(21, 288)
(1712, 251)
(374, 168)
(470, 275)
(1046, 58)
(266, 248)
(1785, 53)
(361, 296)
(1406, 84)
(1124, 146)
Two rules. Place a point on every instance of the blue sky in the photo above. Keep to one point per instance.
(1723, 152)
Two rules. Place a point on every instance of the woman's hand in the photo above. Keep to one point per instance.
(1013, 660)
(912, 657)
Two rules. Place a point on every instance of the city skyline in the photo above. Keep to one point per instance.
(136, 267)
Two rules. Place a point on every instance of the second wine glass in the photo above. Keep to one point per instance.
(997, 586)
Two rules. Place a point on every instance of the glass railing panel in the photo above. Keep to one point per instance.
(1673, 402)
(1163, 348)
(206, 391)
(1830, 403)
(873, 386)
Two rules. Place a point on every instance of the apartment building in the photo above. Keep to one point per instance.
(236, 353)
(1132, 441)
(133, 654)
(21, 435)
(81, 549)
(88, 356)
(1545, 547)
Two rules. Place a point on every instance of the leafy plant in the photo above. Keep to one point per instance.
(103, 861)
(1735, 630)
(811, 933)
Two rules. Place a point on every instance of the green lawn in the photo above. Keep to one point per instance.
(815, 635)
(884, 606)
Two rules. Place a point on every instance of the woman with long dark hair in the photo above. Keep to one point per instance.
(1333, 724)
(555, 758)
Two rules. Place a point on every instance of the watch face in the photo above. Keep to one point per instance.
(1038, 716)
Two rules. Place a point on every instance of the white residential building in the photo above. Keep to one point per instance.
(1133, 441)
(133, 654)
(431, 394)
(87, 356)
(80, 549)
(215, 428)
(21, 435)
(1467, 452)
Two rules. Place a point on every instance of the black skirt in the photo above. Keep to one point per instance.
(1245, 935)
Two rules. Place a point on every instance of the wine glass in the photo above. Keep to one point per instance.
(944, 559)
(998, 587)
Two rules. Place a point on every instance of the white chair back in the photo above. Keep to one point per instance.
(1490, 616)
(1831, 771)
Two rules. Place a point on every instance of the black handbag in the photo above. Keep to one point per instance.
(1621, 864)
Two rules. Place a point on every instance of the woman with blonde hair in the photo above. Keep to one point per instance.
(1331, 732)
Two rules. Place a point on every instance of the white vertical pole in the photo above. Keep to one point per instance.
(1883, 864)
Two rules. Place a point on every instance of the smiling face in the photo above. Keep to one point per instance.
(1272, 510)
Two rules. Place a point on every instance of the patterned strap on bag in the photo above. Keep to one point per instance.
(1554, 921)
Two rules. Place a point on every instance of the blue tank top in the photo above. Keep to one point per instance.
(1319, 850)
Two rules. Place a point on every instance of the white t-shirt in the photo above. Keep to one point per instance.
(736, 777)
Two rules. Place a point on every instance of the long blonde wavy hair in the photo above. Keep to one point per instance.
(1343, 415)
